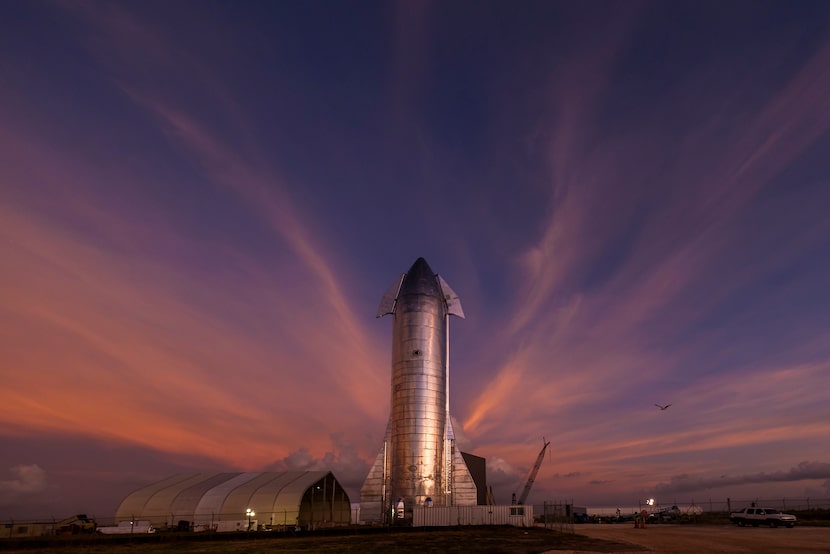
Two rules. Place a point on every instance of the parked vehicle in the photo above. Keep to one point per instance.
(762, 516)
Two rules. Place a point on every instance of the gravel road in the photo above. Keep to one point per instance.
(695, 539)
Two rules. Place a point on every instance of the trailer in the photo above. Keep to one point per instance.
(128, 528)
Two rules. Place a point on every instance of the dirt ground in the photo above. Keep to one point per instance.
(589, 538)
(694, 539)
(450, 540)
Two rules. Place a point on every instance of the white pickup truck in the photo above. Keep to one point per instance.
(762, 516)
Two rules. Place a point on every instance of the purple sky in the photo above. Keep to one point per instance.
(202, 203)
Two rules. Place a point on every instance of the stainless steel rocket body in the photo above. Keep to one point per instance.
(418, 464)
(419, 388)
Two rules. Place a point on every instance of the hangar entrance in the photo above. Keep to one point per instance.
(324, 504)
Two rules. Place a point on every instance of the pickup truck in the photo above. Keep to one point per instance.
(758, 516)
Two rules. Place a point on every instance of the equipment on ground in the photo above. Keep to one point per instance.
(75, 525)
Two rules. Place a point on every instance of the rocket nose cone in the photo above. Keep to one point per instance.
(420, 267)
(420, 280)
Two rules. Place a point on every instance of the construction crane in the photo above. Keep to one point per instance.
(533, 473)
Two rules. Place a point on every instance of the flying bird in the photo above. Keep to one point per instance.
(663, 408)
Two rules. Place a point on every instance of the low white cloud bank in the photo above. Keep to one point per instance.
(27, 479)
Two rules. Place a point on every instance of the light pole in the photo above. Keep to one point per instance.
(250, 513)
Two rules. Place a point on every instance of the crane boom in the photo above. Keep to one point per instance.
(533, 472)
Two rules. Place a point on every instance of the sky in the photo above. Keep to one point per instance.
(202, 203)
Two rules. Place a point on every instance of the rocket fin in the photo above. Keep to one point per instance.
(372, 492)
(448, 432)
(451, 298)
(464, 490)
(390, 298)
